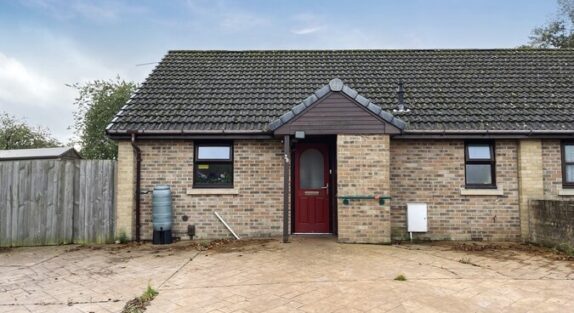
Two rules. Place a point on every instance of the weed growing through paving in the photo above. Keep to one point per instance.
(401, 277)
(139, 304)
(565, 248)
(467, 261)
(123, 237)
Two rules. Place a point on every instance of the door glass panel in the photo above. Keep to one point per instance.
(311, 169)
(478, 151)
(478, 174)
(569, 153)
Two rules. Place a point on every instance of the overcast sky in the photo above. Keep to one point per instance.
(46, 44)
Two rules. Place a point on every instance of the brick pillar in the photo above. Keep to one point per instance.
(363, 165)
(125, 188)
(530, 179)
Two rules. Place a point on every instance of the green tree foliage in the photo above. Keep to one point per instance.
(16, 134)
(97, 103)
(558, 33)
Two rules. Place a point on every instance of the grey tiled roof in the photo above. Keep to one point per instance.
(237, 91)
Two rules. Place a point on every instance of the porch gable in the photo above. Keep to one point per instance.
(337, 109)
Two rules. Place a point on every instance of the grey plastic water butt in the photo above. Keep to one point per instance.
(162, 215)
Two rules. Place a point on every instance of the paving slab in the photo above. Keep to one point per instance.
(321, 275)
(308, 274)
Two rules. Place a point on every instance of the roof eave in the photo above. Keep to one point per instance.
(490, 131)
(187, 134)
(496, 133)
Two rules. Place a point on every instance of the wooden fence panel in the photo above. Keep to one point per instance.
(96, 207)
(5, 204)
(47, 202)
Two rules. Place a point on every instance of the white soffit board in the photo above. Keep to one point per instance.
(417, 217)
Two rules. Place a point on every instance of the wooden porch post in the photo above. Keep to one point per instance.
(286, 194)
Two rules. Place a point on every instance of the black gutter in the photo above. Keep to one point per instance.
(484, 134)
(187, 132)
(493, 131)
(138, 159)
(191, 137)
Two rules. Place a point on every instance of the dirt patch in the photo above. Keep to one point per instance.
(102, 272)
(139, 304)
(135, 305)
(125, 252)
(85, 247)
(507, 249)
(245, 245)
(5, 249)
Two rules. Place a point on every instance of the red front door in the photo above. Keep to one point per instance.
(312, 188)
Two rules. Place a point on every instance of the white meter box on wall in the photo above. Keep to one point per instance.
(417, 217)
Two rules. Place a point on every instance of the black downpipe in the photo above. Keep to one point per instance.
(286, 195)
(138, 158)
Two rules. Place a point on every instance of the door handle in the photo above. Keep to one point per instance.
(326, 186)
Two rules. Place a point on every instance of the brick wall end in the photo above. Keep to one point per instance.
(125, 200)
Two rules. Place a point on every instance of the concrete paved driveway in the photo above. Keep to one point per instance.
(307, 275)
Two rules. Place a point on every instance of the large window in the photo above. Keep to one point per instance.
(568, 164)
(480, 166)
(213, 165)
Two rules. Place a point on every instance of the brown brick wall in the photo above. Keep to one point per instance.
(256, 209)
(432, 171)
(363, 169)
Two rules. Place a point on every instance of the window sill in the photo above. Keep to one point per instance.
(212, 191)
(482, 192)
(566, 192)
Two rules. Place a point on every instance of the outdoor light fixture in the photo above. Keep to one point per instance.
(300, 134)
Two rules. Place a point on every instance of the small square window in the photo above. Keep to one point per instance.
(213, 165)
(480, 167)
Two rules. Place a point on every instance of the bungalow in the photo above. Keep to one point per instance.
(367, 145)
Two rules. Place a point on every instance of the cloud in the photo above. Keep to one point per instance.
(309, 23)
(20, 85)
(34, 97)
(96, 11)
(33, 85)
(306, 31)
(225, 15)
(238, 21)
